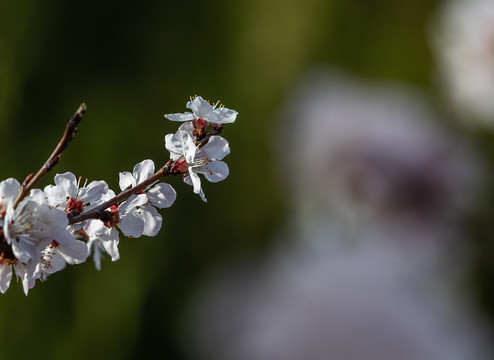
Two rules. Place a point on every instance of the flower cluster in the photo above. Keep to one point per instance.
(196, 147)
(42, 230)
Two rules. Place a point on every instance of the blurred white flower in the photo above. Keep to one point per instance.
(363, 299)
(463, 40)
(373, 151)
(368, 266)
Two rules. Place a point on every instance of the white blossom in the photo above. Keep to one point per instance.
(463, 39)
(28, 230)
(205, 160)
(102, 239)
(202, 109)
(66, 194)
(161, 195)
(138, 213)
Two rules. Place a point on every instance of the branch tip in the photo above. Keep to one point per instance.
(81, 110)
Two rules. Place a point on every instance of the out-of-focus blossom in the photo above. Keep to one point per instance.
(369, 264)
(373, 151)
(463, 40)
(361, 299)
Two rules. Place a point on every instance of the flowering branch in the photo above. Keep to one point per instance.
(43, 230)
(98, 212)
(68, 135)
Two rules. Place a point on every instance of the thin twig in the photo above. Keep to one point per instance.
(68, 135)
(98, 212)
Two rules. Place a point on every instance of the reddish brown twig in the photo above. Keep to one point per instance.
(68, 135)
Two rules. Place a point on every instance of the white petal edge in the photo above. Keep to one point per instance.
(180, 117)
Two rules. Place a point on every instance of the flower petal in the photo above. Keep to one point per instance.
(133, 201)
(190, 154)
(67, 182)
(222, 115)
(52, 263)
(126, 180)
(196, 181)
(9, 189)
(214, 171)
(64, 188)
(180, 117)
(203, 197)
(56, 196)
(143, 170)
(200, 107)
(171, 146)
(96, 247)
(188, 127)
(26, 274)
(187, 180)
(5, 277)
(131, 224)
(20, 272)
(216, 148)
(111, 245)
(162, 195)
(152, 220)
(93, 193)
(74, 252)
(178, 144)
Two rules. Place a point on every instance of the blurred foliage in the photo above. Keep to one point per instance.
(131, 63)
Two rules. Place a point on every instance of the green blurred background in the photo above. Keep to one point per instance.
(131, 63)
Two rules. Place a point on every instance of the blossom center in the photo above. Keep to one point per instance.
(200, 127)
(19, 227)
(200, 162)
(74, 207)
(111, 217)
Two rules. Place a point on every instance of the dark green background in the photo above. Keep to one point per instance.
(132, 62)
